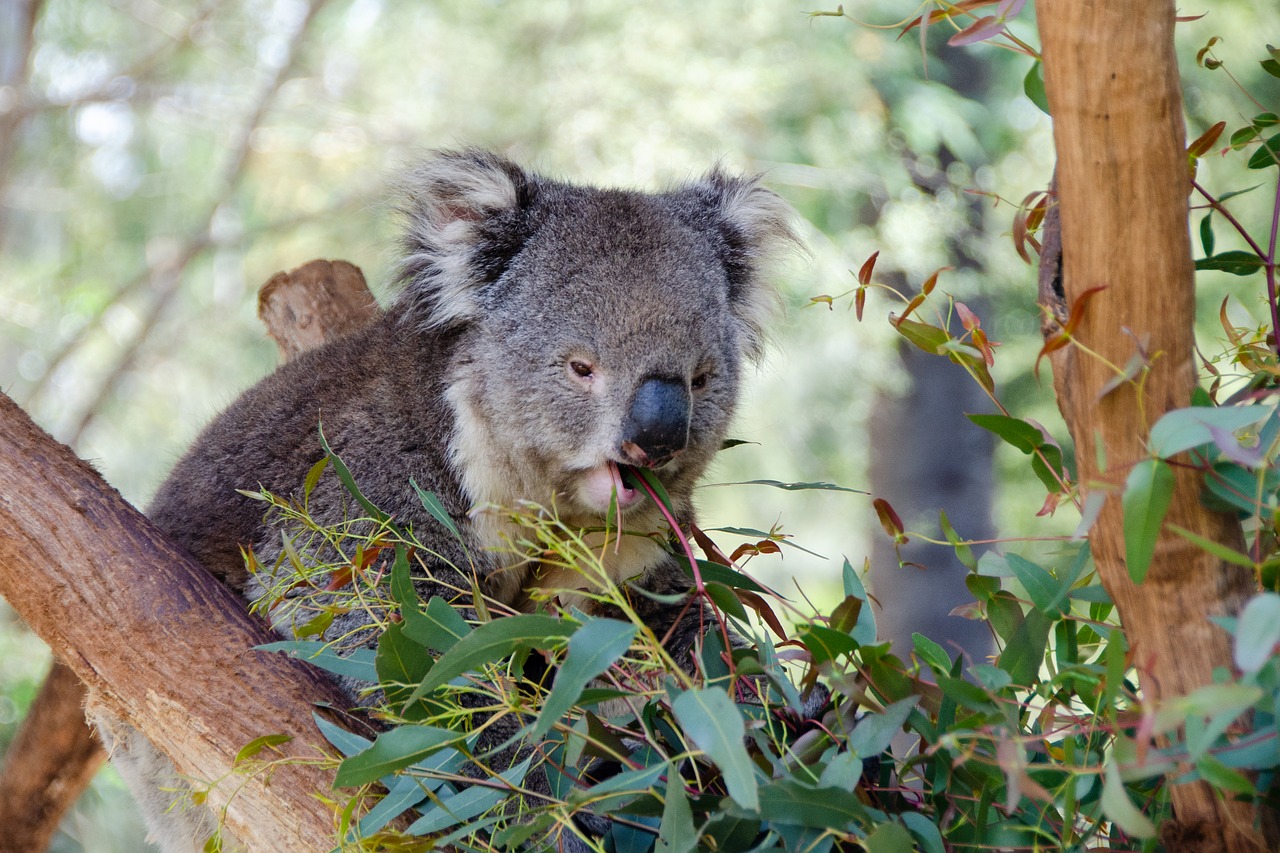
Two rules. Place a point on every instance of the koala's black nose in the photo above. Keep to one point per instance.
(657, 426)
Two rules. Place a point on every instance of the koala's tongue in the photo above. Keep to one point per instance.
(626, 494)
(599, 486)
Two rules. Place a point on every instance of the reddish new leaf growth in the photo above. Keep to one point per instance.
(932, 281)
(945, 13)
(1027, 221)
(890, 521)
(978, 335)
(1063, 338)
(864, 272)
(1204, 142)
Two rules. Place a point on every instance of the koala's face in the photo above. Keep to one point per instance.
(614, 344)
(600, 328)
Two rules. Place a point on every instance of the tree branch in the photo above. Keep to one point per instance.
(55, 754)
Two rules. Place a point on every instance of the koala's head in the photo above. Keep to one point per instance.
(598, 328)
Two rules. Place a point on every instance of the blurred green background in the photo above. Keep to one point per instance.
(160, 161)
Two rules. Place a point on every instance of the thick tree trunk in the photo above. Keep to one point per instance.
(55, 753)
(1113, 87)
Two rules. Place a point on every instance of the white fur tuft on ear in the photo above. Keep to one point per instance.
(463, 224)
(755, 229)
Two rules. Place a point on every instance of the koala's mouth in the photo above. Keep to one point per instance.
(600, 486)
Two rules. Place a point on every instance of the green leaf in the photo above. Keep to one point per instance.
(964, 553)
(406, 793)
(1014, 431)
(357, 663)
(1271, 66)
(345, 742)
(1028, 438)
(865, 631)
(637, 478)
(787, 801)
(889, 838)
(714, 724)
(725, 599)
(440, 627)
(393, 750)
(677, 833)
(925, 831)
(1148, 491)
(1047, 593)
(401, 662)
(794, 487)
(1117, 806)
(492, 642)
(470, 803)
(873, 733)
(931, 339)
(593, 648)
(1239, 139)
(1223, 777)
(1206, 233)
(349, 483)
(717, 573)
(843, 771)
(1257, 631)
(931, 653)
(826, 644)
(1235, 262)
(1024, 654)
(1033, 86)
(432, 504)
(255, 746)
(313, 476)
(620, 788)
(1183, 429)
(1267, 155)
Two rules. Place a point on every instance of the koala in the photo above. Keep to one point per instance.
(545, 337)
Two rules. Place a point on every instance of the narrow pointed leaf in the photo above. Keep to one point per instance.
(1148, 491)
(714, 724)
(593, 648)
(392, 751)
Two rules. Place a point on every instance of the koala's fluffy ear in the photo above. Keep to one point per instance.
(750, 226)
(466, 217)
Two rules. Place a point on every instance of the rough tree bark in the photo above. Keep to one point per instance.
(55, 753)
(1122, 183)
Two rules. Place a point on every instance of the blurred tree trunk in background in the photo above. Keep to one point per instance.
(926, 456)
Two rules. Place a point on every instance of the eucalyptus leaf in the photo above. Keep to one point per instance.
(714, 724)
(492, 642)
(593, 648)
(394, 750)
(1148, 491)
(1257, 631)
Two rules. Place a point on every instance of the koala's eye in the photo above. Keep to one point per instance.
(581, 368)
(699, 382)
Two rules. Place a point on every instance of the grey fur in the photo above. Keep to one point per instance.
(469, 383)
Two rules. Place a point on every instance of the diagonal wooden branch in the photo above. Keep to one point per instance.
(1122, 185)
(55, 753)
